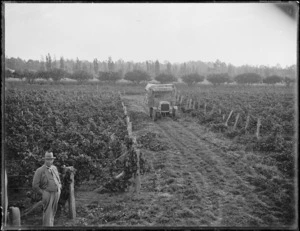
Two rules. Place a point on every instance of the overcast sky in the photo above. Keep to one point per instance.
(248, 33)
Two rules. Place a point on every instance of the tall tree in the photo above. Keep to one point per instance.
(110, 64)
(54, 63)
(96, 66)
(169, 67)
(62, 63)
(42, 64)
(147, 66)
(183, 69)
(77, 65)
(48, 62)
(85, 67)
(157, 68)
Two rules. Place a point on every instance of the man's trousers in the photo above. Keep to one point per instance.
(50, 201)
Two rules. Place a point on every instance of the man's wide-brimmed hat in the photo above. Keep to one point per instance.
(49, 156)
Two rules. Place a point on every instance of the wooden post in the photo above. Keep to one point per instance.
(258, 128)
(247, 122)
(181, 99)
(129, 128)
(125, 111)
(194, 105)
(127, 120)
(187, 104)
(226, 123)
(72, 206)
(205, 108)
(236, 121)
(5, 198)
(138, 177)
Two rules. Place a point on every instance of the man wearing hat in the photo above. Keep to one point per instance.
(47, 182)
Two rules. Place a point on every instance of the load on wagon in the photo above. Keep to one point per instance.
(161, 100)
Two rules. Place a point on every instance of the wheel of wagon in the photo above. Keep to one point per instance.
(15, 216)
(151, 112)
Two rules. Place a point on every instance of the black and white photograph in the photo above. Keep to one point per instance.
(149, 115)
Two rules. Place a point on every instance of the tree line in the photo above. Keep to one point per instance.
(190, 72)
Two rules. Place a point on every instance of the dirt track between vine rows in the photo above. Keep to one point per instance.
(201, 178)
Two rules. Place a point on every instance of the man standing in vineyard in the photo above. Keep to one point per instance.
(47, 182)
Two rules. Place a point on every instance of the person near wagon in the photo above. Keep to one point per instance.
(47, 182)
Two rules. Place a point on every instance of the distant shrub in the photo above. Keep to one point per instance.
(272, 79)
(248, 78)
(216, 79)
(137, 76)
(81, 76)
(109, 76)
(192, 78)
(166, 78)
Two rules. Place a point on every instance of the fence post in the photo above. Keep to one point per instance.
(226, 123)
(194, 105)
(5, 198)
(205, 108)
(247, 122)
(72, 206)
(258, 128)
(138, 176)
(181, 99)
(129, 128)
(236, 121)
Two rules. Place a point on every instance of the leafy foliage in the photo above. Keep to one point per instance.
(272, 79)
(109, 76)
(289, 81)
(81, 76)
(218, 78)
(192, 78)
(84, 129)
(248, 78)
(166, 78)
(137, 76)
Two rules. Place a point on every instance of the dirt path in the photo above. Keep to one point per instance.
(207, 183)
